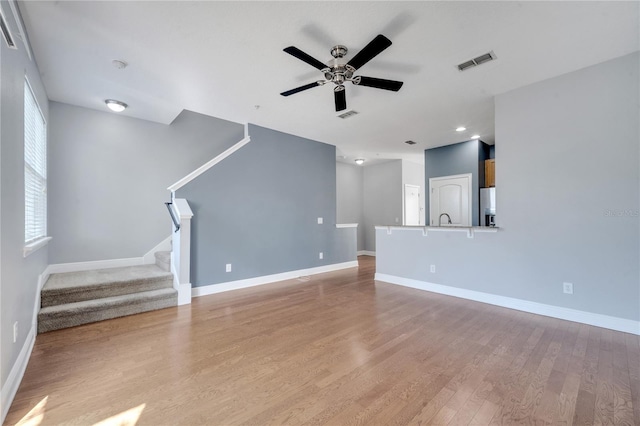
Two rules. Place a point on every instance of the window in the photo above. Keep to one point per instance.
(35, 170)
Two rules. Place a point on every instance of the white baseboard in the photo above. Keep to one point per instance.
(58, 268)
(250, 282)
(598, 320)
(366, 253)
(148, 258)
(10, 387)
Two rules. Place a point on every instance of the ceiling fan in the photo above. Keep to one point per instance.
(338, 71)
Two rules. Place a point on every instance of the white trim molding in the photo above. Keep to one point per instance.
(11, 385)
(590, 318)
(181, 254)
(267, 279)
(32, 247)
(346, 225)
(147, 259)
(58, 268)
(366, 253)
(200, 170)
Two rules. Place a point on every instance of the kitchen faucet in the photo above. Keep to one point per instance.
(440, 219)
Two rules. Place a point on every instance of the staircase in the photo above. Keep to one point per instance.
(76, 298)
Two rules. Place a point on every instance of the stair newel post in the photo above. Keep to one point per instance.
(181, 257)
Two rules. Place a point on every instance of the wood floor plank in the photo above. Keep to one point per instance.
(633, 358)
(336, 349)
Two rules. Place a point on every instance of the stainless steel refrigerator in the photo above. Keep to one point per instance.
(487, 207)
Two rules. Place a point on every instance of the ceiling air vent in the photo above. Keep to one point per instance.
(477, 61)
(6, 32)
(347, 114)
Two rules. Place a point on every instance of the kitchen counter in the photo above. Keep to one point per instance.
(470, 230)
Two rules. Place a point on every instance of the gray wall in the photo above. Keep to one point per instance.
(18, 275)
(460, 158)
(382, 198)
(568, 204)
(108, 178)
(258, 210)
(350, 197)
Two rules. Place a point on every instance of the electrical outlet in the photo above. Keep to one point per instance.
(320, 221)
(228, 267)
(567, 288)
(433, 269)
(321, 255)
(15, 331)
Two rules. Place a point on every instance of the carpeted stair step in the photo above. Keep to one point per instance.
(77, 313)
(163, 260)
(73, 287)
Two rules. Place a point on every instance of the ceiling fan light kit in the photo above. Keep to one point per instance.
(338, 72)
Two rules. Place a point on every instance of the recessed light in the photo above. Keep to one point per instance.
(475, 137)
(115, 106)
(461, 129)
(359, 161)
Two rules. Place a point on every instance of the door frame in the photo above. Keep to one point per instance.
(463, 175)
(404, 203)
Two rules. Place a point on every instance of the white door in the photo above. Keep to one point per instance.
(411, 205)
(450, 197)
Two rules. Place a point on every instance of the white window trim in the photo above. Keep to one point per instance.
(32, 247)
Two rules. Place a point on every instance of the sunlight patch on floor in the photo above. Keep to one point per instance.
(126, 418)
(35, 416)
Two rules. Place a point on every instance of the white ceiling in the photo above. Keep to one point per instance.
(224, 58)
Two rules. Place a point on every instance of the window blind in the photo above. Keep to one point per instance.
(35, 169)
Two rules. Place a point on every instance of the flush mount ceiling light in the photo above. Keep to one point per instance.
(475, 137)
(359, 161)
(115, 106)
(461, 129)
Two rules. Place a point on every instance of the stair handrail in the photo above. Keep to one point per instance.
(176, 223)
(200, 170)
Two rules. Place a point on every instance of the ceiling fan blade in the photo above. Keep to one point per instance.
(301, 88)
(379, 83)
(370, 51)
(341, 99)
(294, 51)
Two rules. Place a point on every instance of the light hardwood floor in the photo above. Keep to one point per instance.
(338, 349)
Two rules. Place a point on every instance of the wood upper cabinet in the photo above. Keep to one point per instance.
(489, 173)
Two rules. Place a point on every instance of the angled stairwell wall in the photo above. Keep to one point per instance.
(108, 176)
(258, 210)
